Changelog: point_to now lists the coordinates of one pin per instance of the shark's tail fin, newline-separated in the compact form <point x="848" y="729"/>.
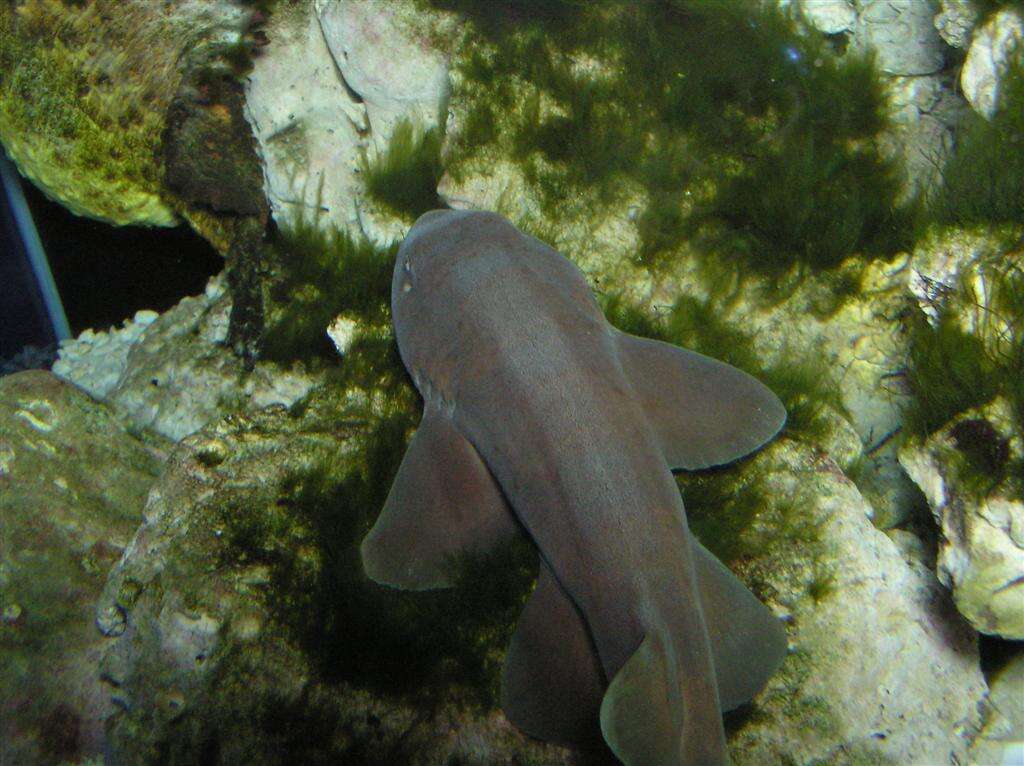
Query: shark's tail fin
<point x="663" y="707"/>
<point x="645" y="718"/>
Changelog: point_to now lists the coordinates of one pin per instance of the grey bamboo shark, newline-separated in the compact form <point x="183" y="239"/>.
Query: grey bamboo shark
<point x="540" y="416"/>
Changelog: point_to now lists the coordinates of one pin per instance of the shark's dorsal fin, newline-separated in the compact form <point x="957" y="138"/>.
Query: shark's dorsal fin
<point x="704" y="412"/>
<point x="443" y="502"/>
<point x="552" y="682"/>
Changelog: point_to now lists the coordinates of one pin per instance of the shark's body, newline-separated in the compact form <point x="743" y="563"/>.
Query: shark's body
<point x="535" y="407"/>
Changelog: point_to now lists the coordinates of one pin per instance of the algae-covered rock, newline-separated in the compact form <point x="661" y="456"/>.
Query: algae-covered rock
<point x="981" y="545"/>
<point x="73" y="482"/>
<point x="84" y="89"/>
<point x="244" y="631"/>
<point x="963" y="431"/>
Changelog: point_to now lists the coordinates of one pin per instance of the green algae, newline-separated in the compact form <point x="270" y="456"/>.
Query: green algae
<point x="405" y="175"/>
<point x="69" y="131"/>
<point x="983" y="180"/>
<point x="424" y="646"/>
<point x="321" y="274"/>
<point x="723" y="98"/>
<point x="952" y="370"/>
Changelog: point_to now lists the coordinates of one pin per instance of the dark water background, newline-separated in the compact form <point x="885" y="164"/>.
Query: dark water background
<point x="104" y="273"/>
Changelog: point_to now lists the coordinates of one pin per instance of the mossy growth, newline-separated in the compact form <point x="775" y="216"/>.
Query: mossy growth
<point x="80" y="136"/>
<point x="983" y="180"/>
<point x="319" y="275"/>
<point x="430" y="647"/>
<point x="404" y="176"/>
<point x="749" y="140"/>
<point x="951" y="370"/>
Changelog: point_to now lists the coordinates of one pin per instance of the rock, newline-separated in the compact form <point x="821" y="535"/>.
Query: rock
<point x="333" y="83"/>
<point x="954" y="22"/>
<point x="385" y="55"/>
<point x="73" y="482"/>
<point x="95" y="361"/>
<point x="211" y="644"/>
<point x="82" y="111"/>
<point x="881" y="667"/>
<point x="981" y="547"/>
<point x="830" y="17"/>
<point x="991" y="47"/>
<point x="173" y="373"/>
<point x="902" y="34"/>
<point x="926" y="113"/>
<point x="1001" y="742"/>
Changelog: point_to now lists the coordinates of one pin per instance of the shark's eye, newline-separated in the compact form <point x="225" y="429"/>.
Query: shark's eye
<point x="407" y="282"/>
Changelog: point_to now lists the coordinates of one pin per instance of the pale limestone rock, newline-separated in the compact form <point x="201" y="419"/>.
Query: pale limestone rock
<point x="881" y="668"/>
<point x="308" y="124"/>
<point x="342" y="332"/>
<point x="95" y="361"/>
<point x="925" y="113"/>
<point x="384" y="54"/>
<point x="902" y="34"/>
<point x="829" y="16"/>
<point x="329" y="90"/>
<point x="981" y="547"/>
<point x="986" y="60"/>
<point x="955" y="21"/>
<point x="173" y="373"/>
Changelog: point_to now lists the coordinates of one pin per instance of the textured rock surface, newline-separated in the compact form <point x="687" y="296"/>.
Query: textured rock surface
<point x="981" y="520"/>
<point x="199" y="656"/>
<point x="986" y="59"/>
<point x="1001" y="742"/>
<point x="332" y="85"/>
<point x="829" y="16"/>
<point x="173" y="373"/>
<point x="95" y="361"/>
<point x="981" y="547"/>
<point x="882" y="669"/>
<point x="73" y="483"/>
<point x="903" y="35"/>
<point x="954" y="22"/>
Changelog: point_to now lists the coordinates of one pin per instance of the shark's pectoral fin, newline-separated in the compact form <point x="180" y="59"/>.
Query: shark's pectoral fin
<point x="443" y="501"/>
<point x="748" y="642"/>
<point x="552" y="681"/>
<point x="704" y="412"/>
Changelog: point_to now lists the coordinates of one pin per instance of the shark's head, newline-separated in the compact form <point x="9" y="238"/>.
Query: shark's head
<point x="433" y="273"/>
